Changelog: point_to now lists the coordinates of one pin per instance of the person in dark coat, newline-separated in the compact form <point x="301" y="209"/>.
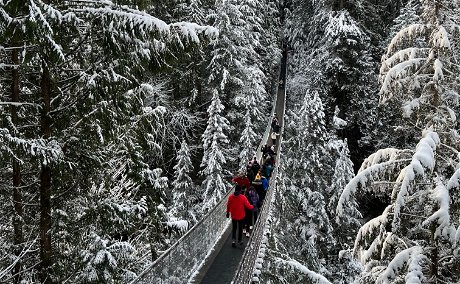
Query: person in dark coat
<point x="265" y="151"/>
<point x="236" y="205"/>
<point x="257" y="183"/>
<point x="276" y="128"/>
<point x="274" y="120"/>
<point x="255" y="166"/>
<point x="267" y="168"/>
<point x="271" y="151"/>
<point x="251" y="215"/>
<point x="265" y="185"/>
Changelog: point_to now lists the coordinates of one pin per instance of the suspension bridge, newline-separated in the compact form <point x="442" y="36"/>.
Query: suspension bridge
<point x="204" y="254"/>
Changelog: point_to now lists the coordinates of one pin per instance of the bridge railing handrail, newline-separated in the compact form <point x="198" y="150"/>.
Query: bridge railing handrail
<point x="180" y="240"/>
<point x="267" y="131"/>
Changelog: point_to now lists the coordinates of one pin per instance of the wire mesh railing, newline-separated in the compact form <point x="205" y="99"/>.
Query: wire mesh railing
<point x="248" y="270"/>
<point x="179" y="262"/>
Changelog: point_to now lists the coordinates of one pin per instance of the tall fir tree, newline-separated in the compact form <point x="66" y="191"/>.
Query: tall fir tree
<point x="214" y="138"/>
<point x="415" y="237"/>
<point x="184" y="191"/>
<point x="90" y="136"/>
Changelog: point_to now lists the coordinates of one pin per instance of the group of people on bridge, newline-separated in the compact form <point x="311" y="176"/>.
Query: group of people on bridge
<point x="250" y="190"/>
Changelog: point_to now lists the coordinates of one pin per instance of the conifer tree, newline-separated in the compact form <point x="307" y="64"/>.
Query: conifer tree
<point x="247" y="140"/>
<point x="83" y="68"/>
<point x="303" y="202"/>
<point x="415" y="237"/>
<point x="184" y="196"/>
<point x="343" y="173"/>
<point x="214" y="141"/>
<point x="310" y="140"/>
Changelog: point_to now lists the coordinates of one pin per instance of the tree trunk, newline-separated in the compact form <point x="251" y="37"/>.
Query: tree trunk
<point x="46" y="252"/>
<point x="17" y="194"/>
<point x="434" y="258"/>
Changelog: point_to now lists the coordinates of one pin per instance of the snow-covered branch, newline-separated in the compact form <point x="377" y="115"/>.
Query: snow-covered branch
<point x="422" y="159"/>
<point x="441" y="217"/>
<point x="313" y="276"/>
<point x="399" y="71"/>
<point x="373" y="227"/>
<point x="412" y="258"/>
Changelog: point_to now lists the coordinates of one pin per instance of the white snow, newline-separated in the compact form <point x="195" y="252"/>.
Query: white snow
<point x="441" y="38"/>
<point x="454" y="181"/>
<point x="438" y="74"/>
<point x="441" y="217"/>
<point x="405" y="34"/>
<point x="373" y="227"/>
<point x="412" y="258"/>
<point x="421" y="160"/>
<point x="398" y="71"/>
<point x="314" y="277"/>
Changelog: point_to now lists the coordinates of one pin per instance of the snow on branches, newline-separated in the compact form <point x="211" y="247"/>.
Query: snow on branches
<point x="419" y="67"/>
<point x="48" y="151"/>
<point x="412" y="258"/>
<point x="372" y="169"/>
<point x="441" y="217"/>
<point x="312" y="276"/>
<point x="137" y="28"/>
<point x="422" y="159"/>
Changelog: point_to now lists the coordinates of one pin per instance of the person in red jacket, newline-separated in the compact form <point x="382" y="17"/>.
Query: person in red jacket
<point x="242" y="180"/>
<point x="236" y="204"/>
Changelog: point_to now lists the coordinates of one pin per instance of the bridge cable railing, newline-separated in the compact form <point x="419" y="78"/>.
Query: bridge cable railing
<point x="178" y="262"/>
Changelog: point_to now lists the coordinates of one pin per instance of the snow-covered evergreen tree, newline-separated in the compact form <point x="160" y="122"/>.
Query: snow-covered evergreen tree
<point x="184" y="190"/>
<point x="303" y="206"/>
<point x="309" y="140"/>
<point x="343" y="173"/>
<point x="214" y="141"/>
<point x="415" y="237"/>
<point x="248" y="140"/>
<point x="85" y="96"/>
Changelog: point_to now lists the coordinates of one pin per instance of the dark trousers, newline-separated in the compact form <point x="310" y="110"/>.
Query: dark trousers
<point x="250" y="219"/>
<point x="237" y="225"/>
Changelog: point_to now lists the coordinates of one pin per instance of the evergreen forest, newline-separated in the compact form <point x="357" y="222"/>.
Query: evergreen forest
<point x="122" y="123"/>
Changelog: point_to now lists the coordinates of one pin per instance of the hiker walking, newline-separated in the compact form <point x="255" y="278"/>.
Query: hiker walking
<point x="242" y="180"/>
<point x="263" y="192"/>
<point x="255" y="166"/>
<point x="274" y="120"/>
<point x="251" y="214"/>
<point x="274" y="136"/>
<point x="236" y="205"/>
<point x="267" y="168"/>
<point x="265" y="151"/>
<point x="276" y="128"/>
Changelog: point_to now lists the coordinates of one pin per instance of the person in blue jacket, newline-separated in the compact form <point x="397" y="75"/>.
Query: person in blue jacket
<point x="264" y="181"/>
